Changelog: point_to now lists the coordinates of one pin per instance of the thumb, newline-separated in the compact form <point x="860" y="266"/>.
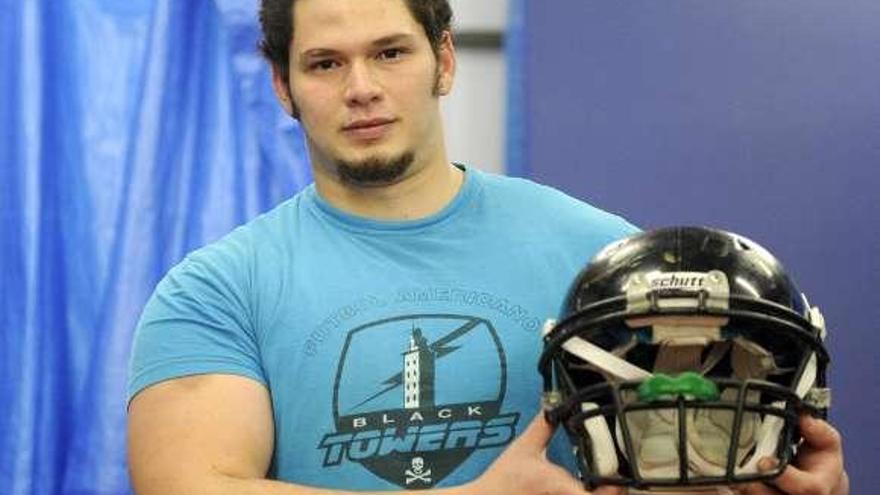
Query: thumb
<point x="536" y="435"/>
<point x="609" y="490"/>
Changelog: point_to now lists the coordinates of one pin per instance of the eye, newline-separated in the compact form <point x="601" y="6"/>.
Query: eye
<point x="391" y="53"/>
<point x="323" y="65"/>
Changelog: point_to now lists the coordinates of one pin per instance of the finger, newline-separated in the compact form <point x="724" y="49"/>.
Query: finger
<point x="536" y="435"/>
<point x="566" y="484"/>
<point x="609" y="490"/>
<point x="794" y="480"/>
<point x="757" y="489"/>
<point x="819" y="434"/>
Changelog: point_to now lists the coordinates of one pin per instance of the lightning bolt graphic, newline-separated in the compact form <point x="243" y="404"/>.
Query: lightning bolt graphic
<point x="439" y="347"/>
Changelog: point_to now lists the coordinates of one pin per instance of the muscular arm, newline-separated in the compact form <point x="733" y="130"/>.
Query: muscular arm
<point x="205" y="434"/>
<point x="213" y="434"/>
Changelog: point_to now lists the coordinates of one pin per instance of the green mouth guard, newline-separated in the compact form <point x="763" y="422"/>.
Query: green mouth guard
<point x="693" y="386"/>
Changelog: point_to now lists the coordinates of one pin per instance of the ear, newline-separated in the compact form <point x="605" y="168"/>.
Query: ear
<point x="281" y="85"/>
<point x="446" y="64"/>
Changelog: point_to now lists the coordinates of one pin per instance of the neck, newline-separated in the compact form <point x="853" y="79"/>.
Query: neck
<point x="422" y="192"/>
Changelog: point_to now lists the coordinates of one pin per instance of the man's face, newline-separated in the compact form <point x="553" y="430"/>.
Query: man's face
<point x="365" y="83"/>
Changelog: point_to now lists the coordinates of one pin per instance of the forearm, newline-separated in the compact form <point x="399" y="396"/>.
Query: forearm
<point x="233" y="486"/>
<point x="220" y="484"/>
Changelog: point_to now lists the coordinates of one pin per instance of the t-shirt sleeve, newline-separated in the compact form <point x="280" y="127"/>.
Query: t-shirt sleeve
<point x="197" y="321"/>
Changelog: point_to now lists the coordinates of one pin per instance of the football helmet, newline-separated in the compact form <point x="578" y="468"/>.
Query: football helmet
<point x="681" y="358"/>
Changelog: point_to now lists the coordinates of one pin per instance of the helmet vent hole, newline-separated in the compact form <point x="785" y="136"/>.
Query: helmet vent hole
<point x="716" y="247"/>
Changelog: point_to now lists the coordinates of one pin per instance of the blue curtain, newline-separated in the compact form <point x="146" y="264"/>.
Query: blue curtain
<point x="131" y="132"/>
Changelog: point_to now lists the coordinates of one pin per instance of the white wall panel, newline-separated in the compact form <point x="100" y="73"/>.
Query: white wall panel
<point x="480" y="15"/>
<point x="474" y="113"/>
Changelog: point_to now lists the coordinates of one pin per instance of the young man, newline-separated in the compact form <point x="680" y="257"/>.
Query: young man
<point x="380" y="330"/>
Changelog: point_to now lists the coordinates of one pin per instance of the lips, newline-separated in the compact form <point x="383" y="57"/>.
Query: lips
<point x="368" y="129"/>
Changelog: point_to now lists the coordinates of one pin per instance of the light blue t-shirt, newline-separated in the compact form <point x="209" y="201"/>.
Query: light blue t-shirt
<point x="397" y="354"/>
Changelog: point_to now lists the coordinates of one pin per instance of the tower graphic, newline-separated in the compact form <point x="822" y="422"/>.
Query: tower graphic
<point x="418" y="372"/>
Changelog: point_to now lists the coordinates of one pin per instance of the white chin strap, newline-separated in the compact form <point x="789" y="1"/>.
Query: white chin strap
<point x="655" y="433"/>
<point x="602" y="443"/>
<point x="771" y="427"/>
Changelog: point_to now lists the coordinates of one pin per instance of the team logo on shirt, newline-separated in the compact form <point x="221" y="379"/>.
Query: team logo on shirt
<point x="416" y="395"/>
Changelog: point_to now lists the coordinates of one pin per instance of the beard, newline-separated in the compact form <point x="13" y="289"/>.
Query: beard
<point x="374" y="171"/>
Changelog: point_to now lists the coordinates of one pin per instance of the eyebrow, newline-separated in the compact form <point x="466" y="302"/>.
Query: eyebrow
<point x="392" y="40"/>
<point x="382" y="42"/>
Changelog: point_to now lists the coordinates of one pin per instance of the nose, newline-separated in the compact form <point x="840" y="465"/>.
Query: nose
<point x="362" y="88"/>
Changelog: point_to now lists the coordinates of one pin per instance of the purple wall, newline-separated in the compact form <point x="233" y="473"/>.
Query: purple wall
<point x="759" y="117"/>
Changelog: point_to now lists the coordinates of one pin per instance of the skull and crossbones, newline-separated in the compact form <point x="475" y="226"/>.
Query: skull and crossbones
<point x="418" y="472"/>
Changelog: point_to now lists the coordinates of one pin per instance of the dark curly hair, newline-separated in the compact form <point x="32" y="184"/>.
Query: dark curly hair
<point x="276" y="22"/>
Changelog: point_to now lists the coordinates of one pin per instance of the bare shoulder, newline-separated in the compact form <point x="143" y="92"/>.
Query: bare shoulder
<point x="183" y="430"/>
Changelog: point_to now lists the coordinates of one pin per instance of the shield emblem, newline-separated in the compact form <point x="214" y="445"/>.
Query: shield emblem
<point x="403" y="400"/>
